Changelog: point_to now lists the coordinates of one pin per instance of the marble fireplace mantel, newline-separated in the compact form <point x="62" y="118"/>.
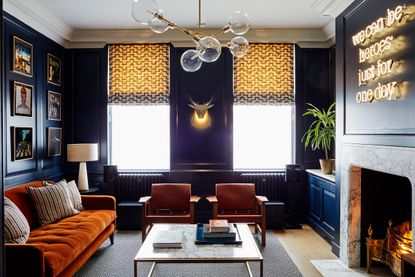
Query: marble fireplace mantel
<point x="393" y="160"/>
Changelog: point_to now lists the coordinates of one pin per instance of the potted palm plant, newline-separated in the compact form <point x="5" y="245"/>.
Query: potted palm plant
<point x="321" y="133"/>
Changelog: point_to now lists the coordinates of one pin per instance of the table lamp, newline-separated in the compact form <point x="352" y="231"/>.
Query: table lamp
<point x="82" y="153"/>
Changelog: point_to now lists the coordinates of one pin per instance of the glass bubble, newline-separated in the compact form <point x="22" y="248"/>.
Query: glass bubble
<point x="190" y="61"/>
<point x="209" y="49"/>
<point x="239" y="23"/>
<point x="238" y="46"/>
<point x="143" y="11"/>
<point x="158" y="26"/>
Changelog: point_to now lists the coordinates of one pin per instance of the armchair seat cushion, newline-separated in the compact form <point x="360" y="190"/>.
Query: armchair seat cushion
<point x="187" y="218"/>
<point x="166" y="212"/>
<point x="64" y="240"/>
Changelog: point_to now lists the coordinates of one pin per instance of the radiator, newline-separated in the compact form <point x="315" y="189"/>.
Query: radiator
<point x="272" y="185"/>
<point x="131" y="186"/>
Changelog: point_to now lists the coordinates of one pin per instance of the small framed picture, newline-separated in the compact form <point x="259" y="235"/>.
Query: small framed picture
<point x="22" y="99"/>
<point x="54" y="141"/>
<point x="54" y="106"/>
<point x="22" y="143"/>
<point x="22" y="57"/>
<point x="54" y="70"/>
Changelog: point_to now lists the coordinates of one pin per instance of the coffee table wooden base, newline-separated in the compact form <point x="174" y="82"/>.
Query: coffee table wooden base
<point x="248" y="268"/>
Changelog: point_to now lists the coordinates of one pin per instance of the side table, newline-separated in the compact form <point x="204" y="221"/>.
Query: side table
<point x="91" y="190"/>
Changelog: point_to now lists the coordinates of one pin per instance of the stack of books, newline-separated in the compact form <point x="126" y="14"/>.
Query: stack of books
<point x="219" y="228"/>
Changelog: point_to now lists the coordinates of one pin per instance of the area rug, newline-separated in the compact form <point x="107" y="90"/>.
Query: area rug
<point x="117" y="260"/>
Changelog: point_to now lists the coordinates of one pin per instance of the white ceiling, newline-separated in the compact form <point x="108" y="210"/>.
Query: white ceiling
<point x="116" y="14"/>
<point x="94" y="23"/>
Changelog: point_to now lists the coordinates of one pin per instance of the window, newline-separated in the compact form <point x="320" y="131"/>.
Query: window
<point x="139" y="124"/>
<point x="140" y="137"/>
<point x="262" y="137"/>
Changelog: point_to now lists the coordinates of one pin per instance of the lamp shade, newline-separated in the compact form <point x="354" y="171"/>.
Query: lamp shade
<point x="82" y="152"/>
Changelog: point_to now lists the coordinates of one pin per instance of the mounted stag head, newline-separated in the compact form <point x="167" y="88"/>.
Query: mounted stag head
<point x="201" y="118"/>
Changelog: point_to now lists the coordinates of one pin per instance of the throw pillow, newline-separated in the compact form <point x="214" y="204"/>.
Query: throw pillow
<point x="16" y="227"/>
<point x="51" y="202"/>
<point x="74" y="194"/>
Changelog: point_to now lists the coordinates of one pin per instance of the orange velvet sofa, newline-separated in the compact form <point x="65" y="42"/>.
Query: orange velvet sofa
<point x="60" y="248"/>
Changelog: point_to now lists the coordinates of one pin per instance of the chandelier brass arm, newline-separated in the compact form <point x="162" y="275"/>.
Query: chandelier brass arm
<point x="208" y="48"/>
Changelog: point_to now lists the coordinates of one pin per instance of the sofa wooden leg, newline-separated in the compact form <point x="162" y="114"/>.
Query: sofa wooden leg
<point x="112" y="239"/>
<point x="263" y="233"/>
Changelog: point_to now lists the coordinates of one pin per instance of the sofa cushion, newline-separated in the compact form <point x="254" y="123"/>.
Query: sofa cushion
<point x="74" y="194"/>
<point x="64" y="240"/>
<point x="16" y="227"/>
<point x="51" y="202"/>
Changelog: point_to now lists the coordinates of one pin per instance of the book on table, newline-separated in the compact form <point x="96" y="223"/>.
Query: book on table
<point x="218" y="226"/>
<point x="169" y="239"/>
<point x="207" y="233"/>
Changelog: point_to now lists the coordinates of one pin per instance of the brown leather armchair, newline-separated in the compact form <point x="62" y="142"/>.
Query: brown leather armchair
<point x="168" y="203"/>
<point x="237" y="202"/>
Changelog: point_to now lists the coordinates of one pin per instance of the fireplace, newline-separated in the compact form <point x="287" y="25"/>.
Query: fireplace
<point x="399" y="161"/>
<point x="385" y="200"/>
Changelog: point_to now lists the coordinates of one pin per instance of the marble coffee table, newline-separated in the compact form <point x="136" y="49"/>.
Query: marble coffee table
<point x="192" y="253"/>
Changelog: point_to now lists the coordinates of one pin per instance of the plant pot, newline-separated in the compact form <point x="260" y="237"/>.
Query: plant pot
<point x="327" y="165"/>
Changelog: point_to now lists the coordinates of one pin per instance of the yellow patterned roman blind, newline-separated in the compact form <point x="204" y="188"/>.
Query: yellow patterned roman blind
<point x="265" y="75"/>
<point x="139" y="74"/>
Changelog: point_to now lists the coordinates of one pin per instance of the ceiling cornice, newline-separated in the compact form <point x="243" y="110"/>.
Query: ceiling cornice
<point x="330" y="29"/>
<point x="178" y="38"/>
<point x="40" y="19"/>
<point x="331" y="7"/>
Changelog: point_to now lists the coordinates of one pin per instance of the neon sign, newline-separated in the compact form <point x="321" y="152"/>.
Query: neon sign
<point x="373" y="53"/>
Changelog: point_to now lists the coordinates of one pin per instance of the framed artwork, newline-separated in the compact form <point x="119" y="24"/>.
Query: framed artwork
<point x="22" y="57"/>
<point x="22" y="143"/>
<point x="22" y="99"/>
<point x="54" y="106"/>
<point x="54" y="70"/>
<point x="54" y="141"/>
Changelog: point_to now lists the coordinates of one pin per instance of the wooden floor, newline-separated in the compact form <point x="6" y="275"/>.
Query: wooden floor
<point x="304" y="245"/>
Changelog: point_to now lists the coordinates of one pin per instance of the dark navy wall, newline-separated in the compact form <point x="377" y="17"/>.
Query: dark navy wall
<point x="41" y="166"/>
<point x="371" y="123"/>
<point x="313" y="70"/>
<point x="86" y="107"/>
<point x="209" y="148"/>
<point x="201" y="157"/>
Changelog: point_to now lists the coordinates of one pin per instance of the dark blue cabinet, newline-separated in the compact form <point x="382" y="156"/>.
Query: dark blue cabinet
<point x="322" y="216"/>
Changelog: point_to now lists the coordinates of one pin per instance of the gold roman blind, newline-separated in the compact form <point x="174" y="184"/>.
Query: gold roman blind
<point x="139" y="74"/>
<point x="265" y="75"/>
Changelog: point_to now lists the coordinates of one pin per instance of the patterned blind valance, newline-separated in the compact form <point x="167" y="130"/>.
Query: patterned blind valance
<point x="265" y="75"/>
<point x="139" y="74"/>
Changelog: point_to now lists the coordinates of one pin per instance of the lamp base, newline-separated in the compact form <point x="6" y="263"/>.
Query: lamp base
<point x="83" y="177"/>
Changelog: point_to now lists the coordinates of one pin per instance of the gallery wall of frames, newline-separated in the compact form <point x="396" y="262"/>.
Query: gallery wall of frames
<point x="32" y="104"/>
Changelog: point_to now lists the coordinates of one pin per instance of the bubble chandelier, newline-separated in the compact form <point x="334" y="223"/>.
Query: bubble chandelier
<point x="208" y="48"/>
